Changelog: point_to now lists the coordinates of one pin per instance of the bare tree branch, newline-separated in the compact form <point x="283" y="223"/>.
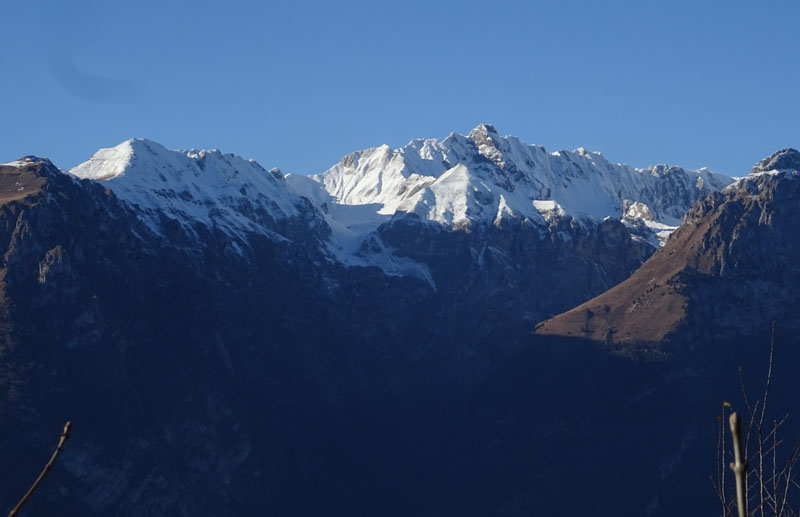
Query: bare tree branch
<point x="738" y="466"/>
<point x="47" y="468"/>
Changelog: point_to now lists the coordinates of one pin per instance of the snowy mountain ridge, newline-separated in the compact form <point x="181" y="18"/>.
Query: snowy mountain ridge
<point x="459" y="183"/>
<point x="190" y="186"/>
<point x="481" y="177"/>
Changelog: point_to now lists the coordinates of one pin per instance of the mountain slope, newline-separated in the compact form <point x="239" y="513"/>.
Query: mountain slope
<point x="727" y="271"/>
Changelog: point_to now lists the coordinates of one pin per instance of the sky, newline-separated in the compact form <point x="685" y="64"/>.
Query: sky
<point x="298" y="85"/>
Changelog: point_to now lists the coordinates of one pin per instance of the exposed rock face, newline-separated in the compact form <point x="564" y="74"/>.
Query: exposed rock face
<point x="638" y="210"/>
<point x="728" y="271"/>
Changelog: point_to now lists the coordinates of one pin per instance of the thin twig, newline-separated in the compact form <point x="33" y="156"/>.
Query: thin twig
<point x="787" y="471"/>
<point x="61" y="442"/>
<point x="751" y="410"/>
<point x="760" y="424"/>
<point x="775" y="464"/>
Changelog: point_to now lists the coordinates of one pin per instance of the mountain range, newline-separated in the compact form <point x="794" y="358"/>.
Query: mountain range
<point x="229" y="339"/>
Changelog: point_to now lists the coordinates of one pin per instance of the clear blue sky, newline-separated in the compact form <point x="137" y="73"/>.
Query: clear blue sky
<point x="299" y="84"/>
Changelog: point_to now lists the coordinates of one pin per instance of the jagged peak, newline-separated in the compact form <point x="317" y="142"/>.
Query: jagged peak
<point x="484" y="134"/>
<point x="484" y="130"/>
<point x="783" y="160"/>
<point x="583" y="182"/>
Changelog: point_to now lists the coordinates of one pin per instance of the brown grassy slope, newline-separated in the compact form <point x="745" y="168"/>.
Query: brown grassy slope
<point x="19" y="182"/>
<point x="730" y="268"/>
<point x="645" y="307"/>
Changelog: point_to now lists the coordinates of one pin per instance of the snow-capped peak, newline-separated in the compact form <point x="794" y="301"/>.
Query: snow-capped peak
<point x="501" y="176"/>
<point x="111" y="162"/>
<point x="190" y="186"/>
